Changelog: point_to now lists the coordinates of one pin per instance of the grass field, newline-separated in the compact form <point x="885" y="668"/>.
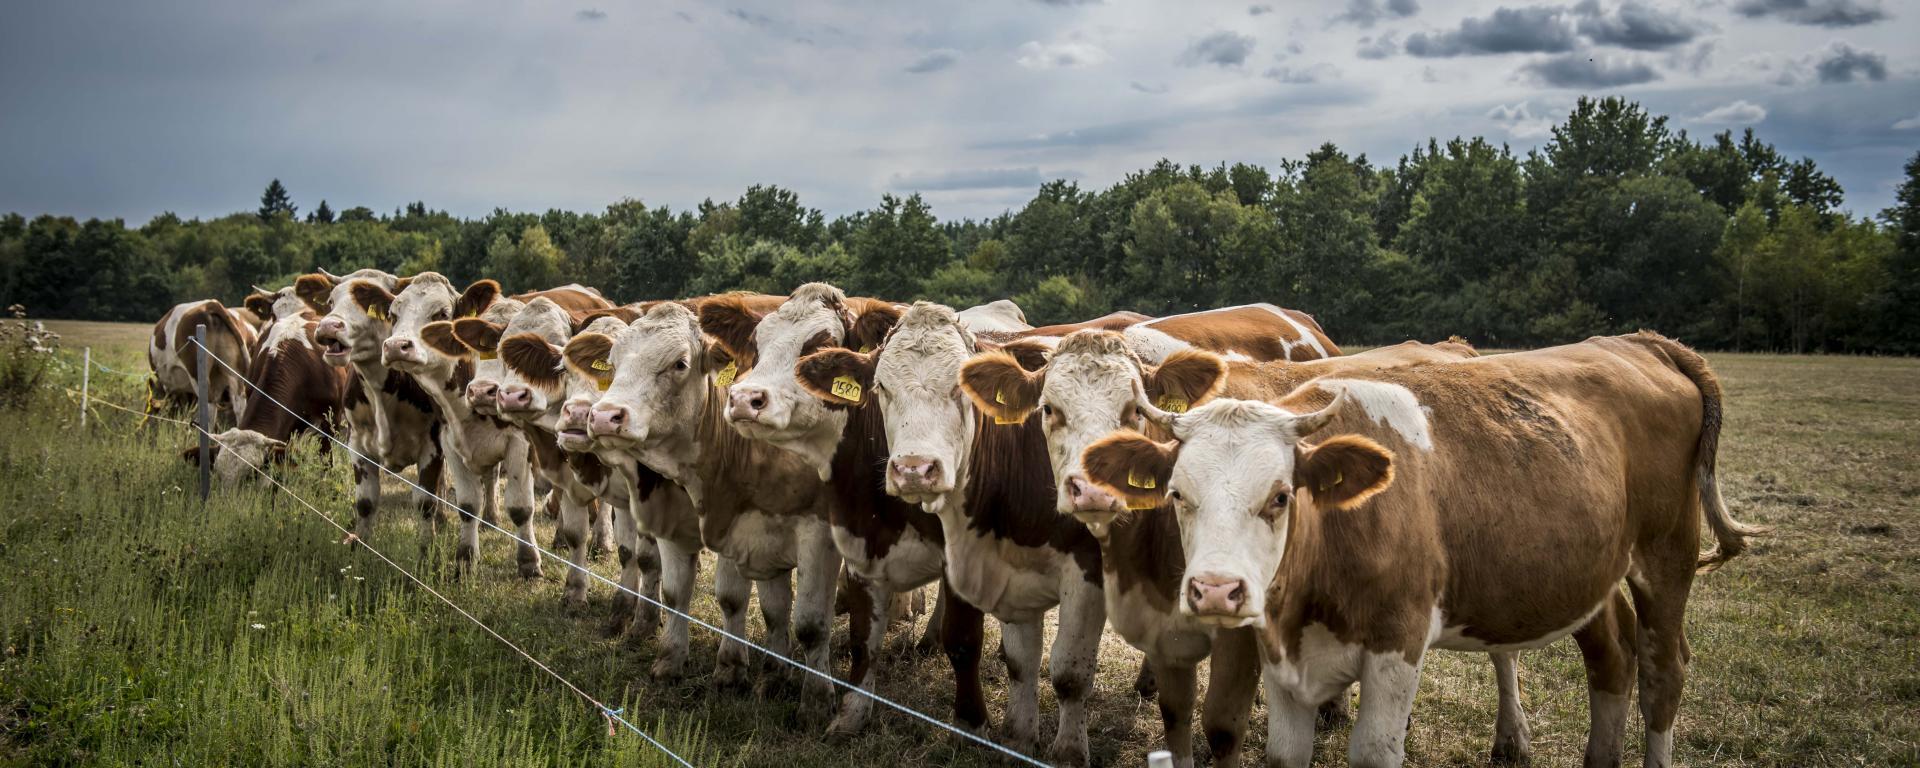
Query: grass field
<point x="142" y="628"/>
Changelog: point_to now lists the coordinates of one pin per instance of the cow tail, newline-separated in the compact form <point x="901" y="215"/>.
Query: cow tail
<point x="1730" y="535"/>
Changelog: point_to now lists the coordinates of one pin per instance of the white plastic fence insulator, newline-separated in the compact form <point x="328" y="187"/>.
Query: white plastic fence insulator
<point x="1159" y="758"/>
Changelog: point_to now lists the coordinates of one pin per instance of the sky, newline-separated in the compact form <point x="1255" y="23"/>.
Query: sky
<point x="134" y="108"/>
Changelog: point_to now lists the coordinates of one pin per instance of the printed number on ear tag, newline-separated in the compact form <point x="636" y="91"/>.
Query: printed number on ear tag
<point x="1173" y="404"/>
<point x="1000" y="397"/>
<point x="601" y="365"/>
<point x="725" y="377"/>
<point x="489" y="355"/>
<point x="375" y="313"/>
<point x="1137" y="480"/>
<point x="1136" y="503"/>
<point x="845" y="388"/>
<point x="1002" y="420"/>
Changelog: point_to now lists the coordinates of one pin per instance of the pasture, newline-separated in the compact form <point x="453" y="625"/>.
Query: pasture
<point x="140" y="627"/>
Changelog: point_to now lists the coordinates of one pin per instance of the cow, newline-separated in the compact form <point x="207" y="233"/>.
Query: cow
<point x="890" y="547"/>
<point x="544" y="318"/>
<point x="391" y="419"/>
<point x="762" y="510"/>
<point x="1001" y="316"/>
<point x="1486" y="504"/>
<point x="482" y="449"/>
<point x="1248" y="332"/>
<point x="1140" y="549"/>
<point x="295" y="388"/>
<point x="174" y="357"/>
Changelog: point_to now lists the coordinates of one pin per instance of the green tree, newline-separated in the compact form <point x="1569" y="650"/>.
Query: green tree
<point x="1897" y="302"/>
<point x="321" y="214"/>
<point x="275" y="203"/>
<point x="897" y="249"/>
<point x="533" y="263"/>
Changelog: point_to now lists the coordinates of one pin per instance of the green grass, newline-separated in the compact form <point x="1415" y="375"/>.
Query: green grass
<point x="128" y="613"/>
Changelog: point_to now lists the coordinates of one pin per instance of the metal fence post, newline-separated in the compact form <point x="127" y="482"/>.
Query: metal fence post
<point x="86" y="378"/>
<point x="205" y="418"/>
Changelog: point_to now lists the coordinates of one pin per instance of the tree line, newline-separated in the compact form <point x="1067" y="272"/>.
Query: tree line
<point x="1618" y="223"/>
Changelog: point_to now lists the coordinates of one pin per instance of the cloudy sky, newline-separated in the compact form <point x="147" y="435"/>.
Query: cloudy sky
<point x="132" y="108"/>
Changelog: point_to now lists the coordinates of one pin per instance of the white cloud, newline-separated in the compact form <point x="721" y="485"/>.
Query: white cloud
<point x="1061" y="54"/>
<point x="1519" y="121"/>
<point x="1738" y="112"/>
<point x="1907" y="124"/>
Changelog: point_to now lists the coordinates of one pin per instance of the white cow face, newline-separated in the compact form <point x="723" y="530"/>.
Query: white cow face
<point x="576" y="390"/>
<point x="1238" y="477"/>
<point x="346" y="332"/>
<point x="915" y="382"/>
<point x="1093" y="386"/>
<point x="236" y="452"/>
<point x="655" y="377"/>
<point x="429" y="298"/>
<point x="443" y="340"/>
<point x="502" y="389"/>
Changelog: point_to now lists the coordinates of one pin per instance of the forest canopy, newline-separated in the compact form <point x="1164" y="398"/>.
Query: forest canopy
<point x="1618" y="223"/>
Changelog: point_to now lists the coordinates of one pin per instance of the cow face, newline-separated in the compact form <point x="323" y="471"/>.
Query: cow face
<point x="346" y="333"/>
<point x="1091" y="387"/>
<point x="544" y="368"/>
<point x="507" y="392"/>
<point x="915" y="382"/>
<point x="654" y="379"/>
<point x="236" y="452"/>
<point x="443" y="340"/>
<point x="429" y="298"/>
<point x="1239" y="479"/>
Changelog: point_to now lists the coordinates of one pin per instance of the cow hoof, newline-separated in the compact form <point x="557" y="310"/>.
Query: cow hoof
<point x="1512" y="749"/>
<point x="731" y="677"/>
<point x="1146" y="685"/>
<point x="615" y="627"/>
<point x="846" y="725"/>
<point x="667" y="668"/>
<point x="1068" y="751"/>
<point x="530" y="569"/>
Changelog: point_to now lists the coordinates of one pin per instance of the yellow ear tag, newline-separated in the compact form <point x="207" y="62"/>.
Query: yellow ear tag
<point x="600" y="365"/>
<point x="725" y="377"/>
<point x="1000" y="397"/>
<point x="489" y="355"/>
<point x="1172" y="404"/>
<point x="374" y="312"/>
<point x="1136" y="503"/>
<point x="866" y="349"/>
<point x="1002" y="420"/>
<point x="602" y="384"/>
<point x="1137" y="480"/>
<point x="845" y="388"/>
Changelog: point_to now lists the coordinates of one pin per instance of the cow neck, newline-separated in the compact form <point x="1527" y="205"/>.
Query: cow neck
<point x="1143" y="550"/>
<point x="294" y="376"/>
<point x="1007" y="492"/>
<point x="861" y="503"/>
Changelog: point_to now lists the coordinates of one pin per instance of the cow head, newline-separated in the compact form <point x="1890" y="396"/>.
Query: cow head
<point x="429" y="298"/>
<point x="495" y="383"/>
<point x="543" y="367"/>
<point x="766" y="401"/>
<point x="236" y="452"/>
<point x="442" y="338"/>
<point x="652" y="376"/>
<point x="1240" y="479"/>
<point x="1092" y="386"/>
<point x="346" y="332"/>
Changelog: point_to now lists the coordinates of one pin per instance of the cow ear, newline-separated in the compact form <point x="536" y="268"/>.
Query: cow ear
<point x="870" y="329"/>
<point x="191" y="454"/>
<point x="1031" y="355"/>
<point x="260" y="304"/>
<point x="532" y="358"/>
<point x="478" y="335"/>
<point x="580" y="320"/>
<point x="1000" y="386"/>
<point x="837" y="376"/>
<point x="316" y="290"/>
<point x="373" y="299"/>
<point x="476" y="298"/>
<point x="1133" y="467"/>
<point x="439" y="337"/>
<point x="1186" y="379"/>
<point x="590" y="353"/>
<point x="728" y="320"/>
<point x="1344" y="471"/>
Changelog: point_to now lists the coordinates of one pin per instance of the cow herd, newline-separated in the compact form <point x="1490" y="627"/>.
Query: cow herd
<point x="1221" y="485"/>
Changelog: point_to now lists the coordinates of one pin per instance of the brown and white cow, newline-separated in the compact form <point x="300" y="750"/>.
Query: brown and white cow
<point x="1249" y="332"/>
<point x="481" y="449"/>
<point x="391" y="419"/>
<point x="1488" y="504"/>
<point x="1140" y="548"/>
<point x="889" y="545"/>
<point x="296" y="388"/>
<point x="175" y="358"/>
<point x="1001" y="316"/>
<point x="761" y="510"/>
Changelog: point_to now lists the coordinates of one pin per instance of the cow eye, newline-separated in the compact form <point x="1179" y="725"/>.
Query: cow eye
<point x="680" y="365"/>
<point x="1047" y="411"/>
<point x="442" y="314"/>
<point x="1280" y="499"/>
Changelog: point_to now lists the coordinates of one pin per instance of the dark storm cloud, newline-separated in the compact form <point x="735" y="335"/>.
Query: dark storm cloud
<point x="1640" y="26"/>
<point x="1366" y="12"/>
<point x="590" y="15"/>
<point x="932" y="62"/>
<point x="973" y="178"/>
<point x="1221" y="49"/>
<point x="1534" y="29"/>
<point x="1819" y="13"/>
<point x="1576" y="70"/>
<point x="1842" y="63"/>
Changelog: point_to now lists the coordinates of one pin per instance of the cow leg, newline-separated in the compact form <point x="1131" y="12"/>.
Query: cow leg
<point x="732" y="590"/>
<point x="1289" y="725"/>
<point x="600" y="518"/>
<point x="366" y="497"/>
<point x="1511" y="736"/>
<point x="963" y="635"/>
<point x="929" y="641"/>
<point x="1144" y="684"/>
<point x="813" y="610"/>
<point x="1660" y="582"/>
<point x="679" y="569"/>
<point x="1606" y="644"/>
<point x="1234" y="677"/>
<point x="1076" y="656"/>
<point x="473" y="492"/>
<point x="571" y="537"/>
<point x="1176" y="708"/>
<point x="1020" y="649"/>
<point x="431" y="473"/>
<point x="1388" y="683"/>
<point x="627" y="532"/>
<point x="867" y="603"/>
<point x="519" y="503"/>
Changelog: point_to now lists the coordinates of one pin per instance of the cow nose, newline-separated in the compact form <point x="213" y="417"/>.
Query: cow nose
<point x="746" y="402"/>
<point x="1212" y="593"/>
<point x="914" y="471"/>
<point x="577" y="413"/>
<point x="482" y="391"/>
<point x="1087" y="497"/>
<point x="516" y="397"/>
<point x="399" y="347"/>
<point x="330" y="326"/>
<point x="608" y="421"/>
